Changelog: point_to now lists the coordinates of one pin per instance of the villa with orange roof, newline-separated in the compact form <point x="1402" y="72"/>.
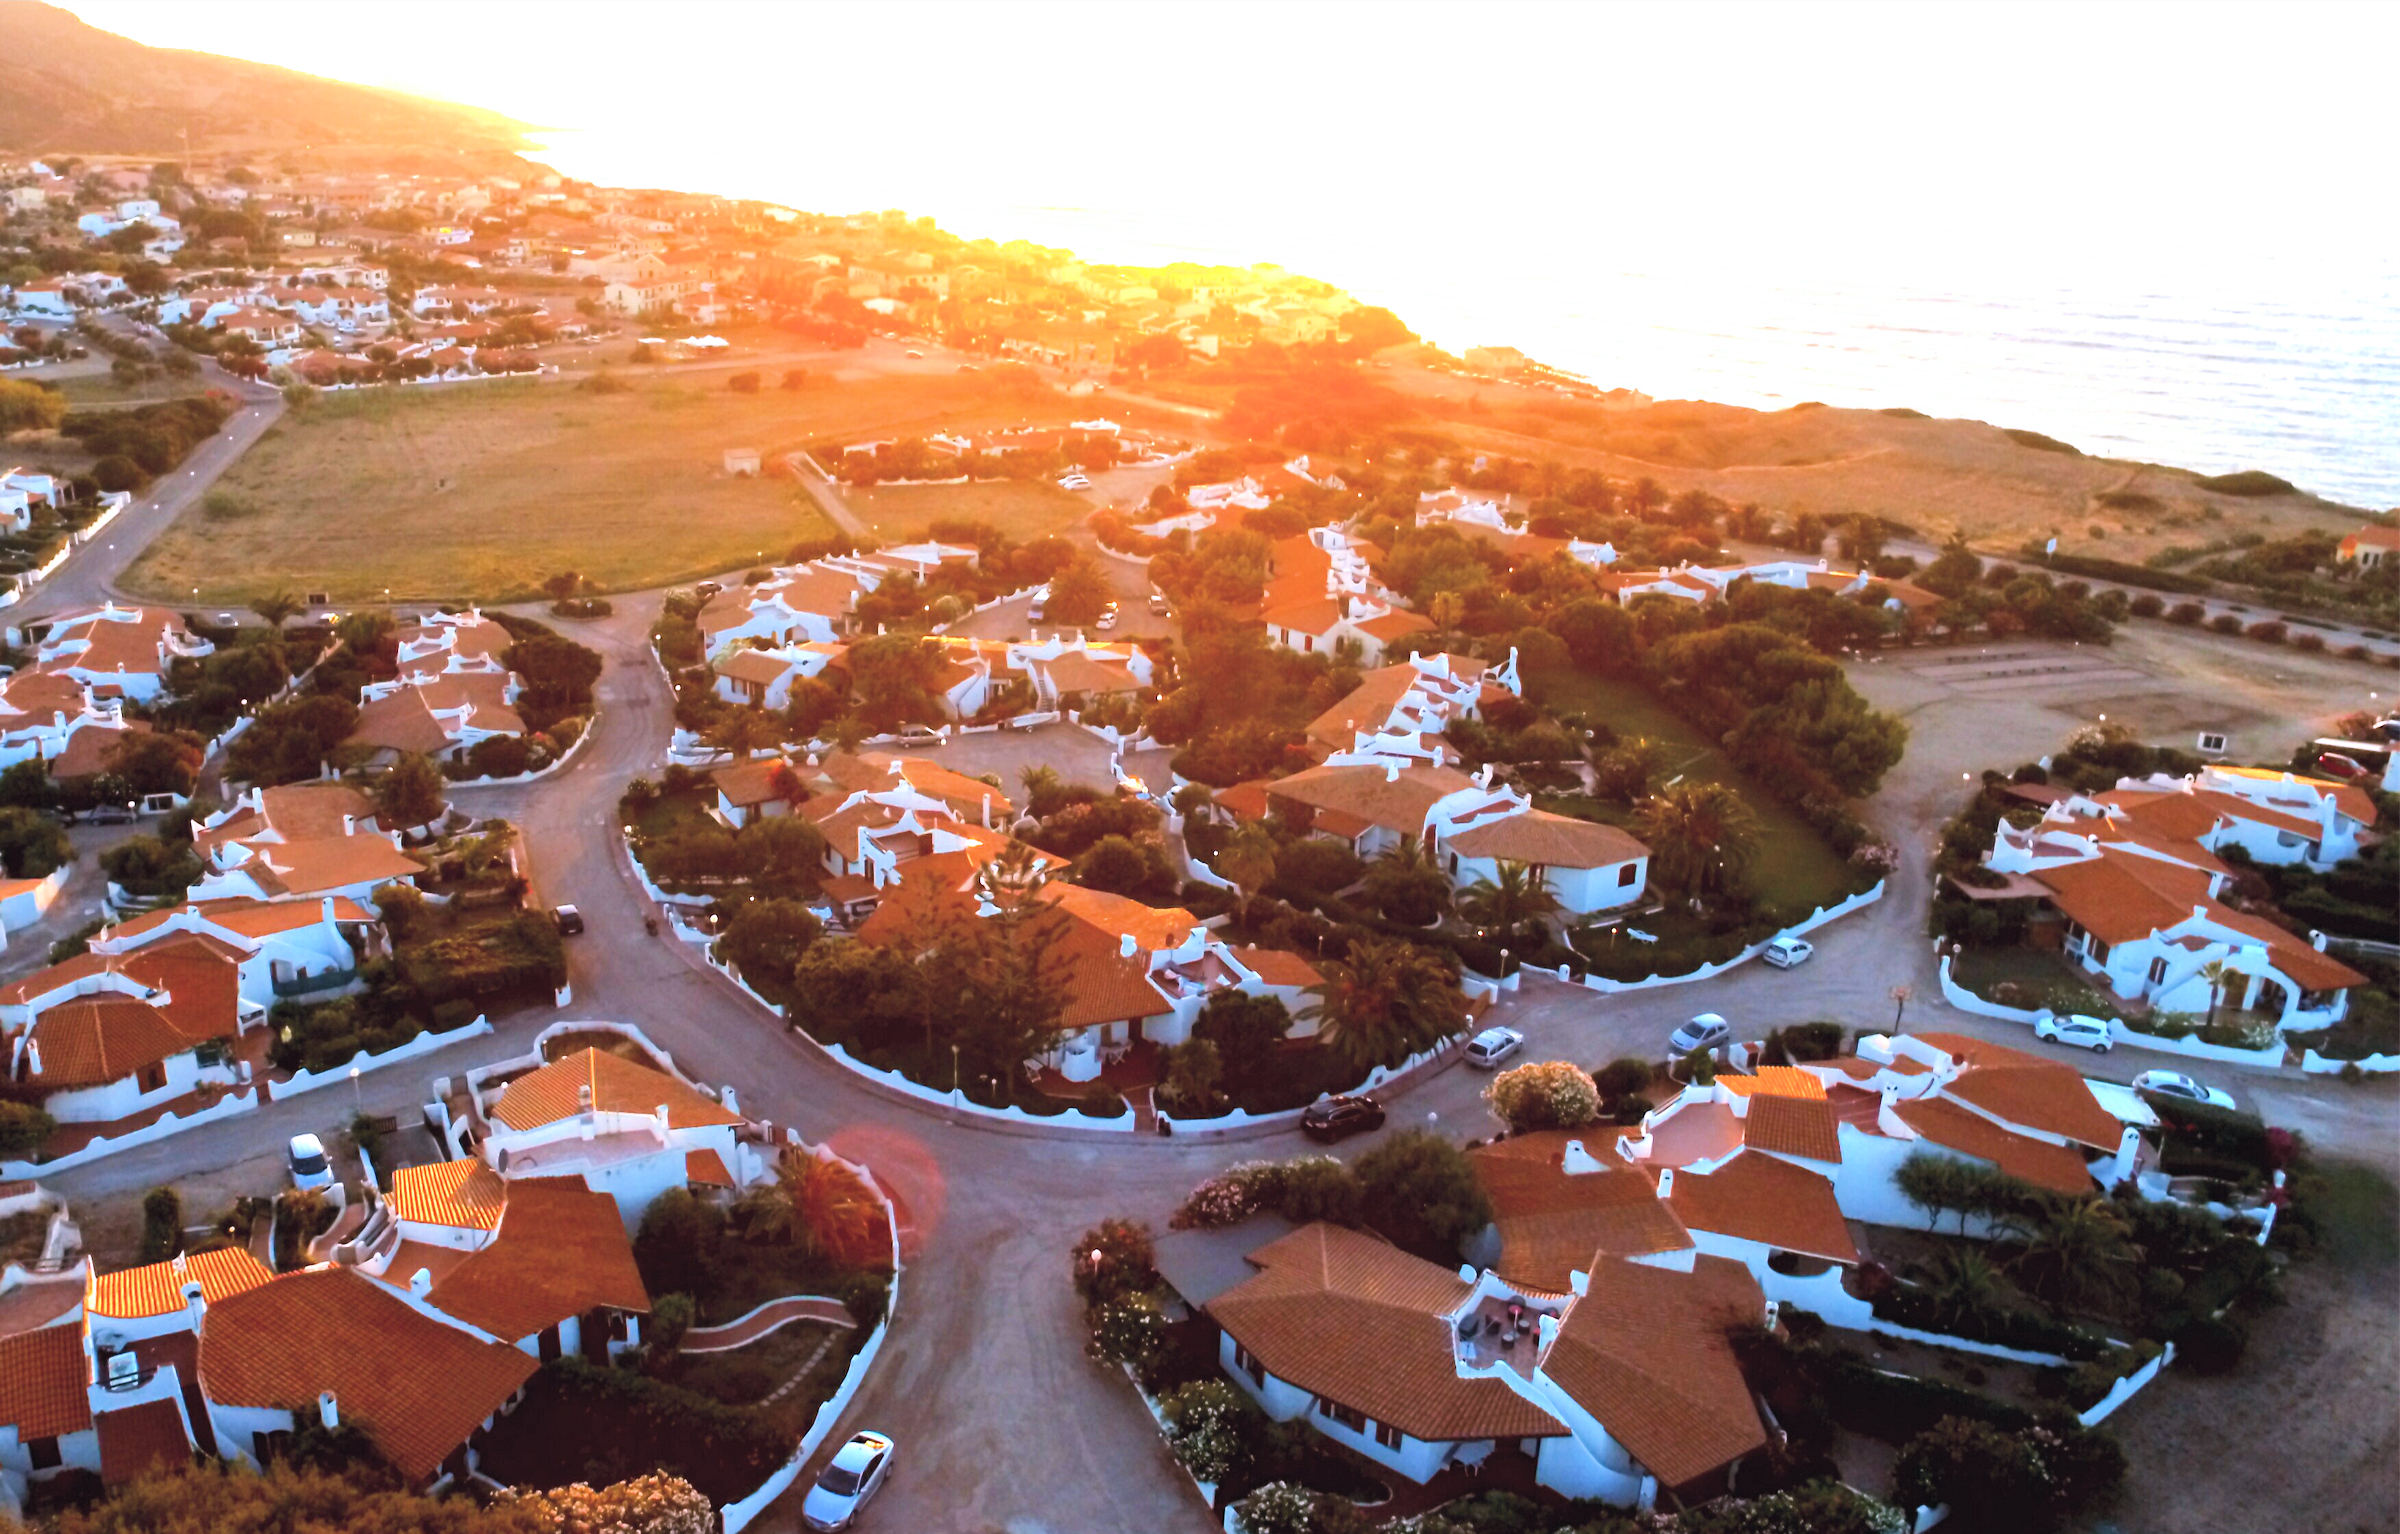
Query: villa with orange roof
<point x="104" y="1036"/>
<point x="118" y="651"/>
<point x="298" y="841"/>
<point x="281" y="949"/>
<point x="452" y="691"/>
<point x="2135" y="875"/>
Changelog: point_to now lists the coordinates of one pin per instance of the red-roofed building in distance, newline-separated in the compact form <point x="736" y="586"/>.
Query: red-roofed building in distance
<point x="105" y="1036"/>
<point x="452" y="691"/>
<point x="298" y="841"/>
<point x="117" y="651"/>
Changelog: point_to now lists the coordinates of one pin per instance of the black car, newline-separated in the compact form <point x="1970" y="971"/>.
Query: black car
<point x="570" y="921"/>
<point x="1331" y="1118"/>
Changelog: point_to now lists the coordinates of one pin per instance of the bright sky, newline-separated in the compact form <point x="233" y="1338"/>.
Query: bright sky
<point x="2203" y="147"/>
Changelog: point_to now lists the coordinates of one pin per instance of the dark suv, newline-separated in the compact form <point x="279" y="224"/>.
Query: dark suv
<point x="1332" y="1118"/>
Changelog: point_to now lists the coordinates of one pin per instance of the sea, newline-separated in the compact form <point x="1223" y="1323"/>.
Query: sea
<point x="2293" y="371"/>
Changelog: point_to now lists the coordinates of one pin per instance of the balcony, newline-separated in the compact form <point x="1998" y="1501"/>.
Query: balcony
<point x="288" y="986"/>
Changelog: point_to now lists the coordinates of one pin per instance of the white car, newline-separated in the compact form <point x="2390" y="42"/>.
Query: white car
<point x="1707" y="1031"/>
<point x="843" y="1487"/>
<point x="1033" y="610"/>
<point x="310" y="1169"/>
<point x="2177" y="1084"/>
<point x="1785" y="952"/>
<point x="1488" y="1048"/>
<point x="1108" y="618"/>
<point x="1074" y="482"/>
<point x="2077" y="1029"/>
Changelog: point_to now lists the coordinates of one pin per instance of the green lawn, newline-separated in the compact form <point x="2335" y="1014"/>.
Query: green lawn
<point x="1023" y="509"/>
<point x="1795" y="869"/>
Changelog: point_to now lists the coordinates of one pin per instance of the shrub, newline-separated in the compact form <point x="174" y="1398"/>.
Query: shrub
<point x="670" y="1317"/>
<point x="23" y="1128"/>
<point x="1128" y="1329"/>
<point x="2032" y="1479"/>
<point x="1549" y="1094"/>
<point x="162" y="1225"/>
<point x="2225" y="623"/>
<point x="2146" y="605"/>
<point x="2267" y="631"/>
<point x="2186" y="613"/>
<point x="2310" y="643"/>
<point x="1113" y="1259"/>
<point x="1211" y="1428"/>
<point x="2212" y="1344"/>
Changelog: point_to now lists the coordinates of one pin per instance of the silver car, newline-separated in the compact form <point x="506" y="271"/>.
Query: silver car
<point x="1707" y="1031"/>
<point x="844" y="1486"/>
<point x="1488" y="1048"/>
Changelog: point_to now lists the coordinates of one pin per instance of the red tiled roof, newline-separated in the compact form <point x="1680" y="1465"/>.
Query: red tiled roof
<point x="1770" y="1201"/>
<point x="552" y="1093"/>
<point x="2026" y="1089"/>
<point x="2060" y="1168"/>
<point x="156" y="1289"/>
<point x="43" y="1379"/>
<point x="1645" y="1351"/>
<point x="1553" y="1223"/>
<point x="416" y="1385"/>
<point x="707" y="1168"/>
<point x="560" y="1250"/>
<point x="136" y="1440"/>
<point x="463" y="1195"/>
<point x="1793" y="1126"/>
<point x="1275" y="966"/>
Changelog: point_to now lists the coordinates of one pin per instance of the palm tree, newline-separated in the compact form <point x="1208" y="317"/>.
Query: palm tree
<point x="2215" y="972"/>
<point x="2081" y="1253"/>
<point x="832" y="1213"/>
<point x="1386" y="1000"/>
<point x="1965" y="1287"/>
<point x="1041" y="784"/>
<point x="277" y="607"/>
<point x="1513" y="896"/>
<point x="1701" y="835"/>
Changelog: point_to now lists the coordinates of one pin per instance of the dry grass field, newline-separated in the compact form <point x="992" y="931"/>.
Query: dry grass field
<point x="1023" y="509"/>
<point x="481" y="490"/>
<point x="1937" y="476"/>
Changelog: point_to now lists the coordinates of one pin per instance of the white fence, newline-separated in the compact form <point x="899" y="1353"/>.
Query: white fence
<point x="2373" y="1065"/>
<point x="2125" y="1389"/>
<point x="105" y="1145"/>
<point x="564" y="757"/>
<point x="737" y="1516"/>
<point x="1381" y="1075"/>
<point x="423" y="1044"/>
<point x="958" y="1101"/>
<point x="1809" y="923"/>
<point x="2267" y="1057"/>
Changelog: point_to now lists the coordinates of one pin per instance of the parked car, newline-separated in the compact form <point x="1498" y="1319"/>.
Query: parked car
<point x="1331" y="1118"/>
<point x="1033" y="610"/>
<point x="2341" y="766"/>
<point x="1108" y="618"/>
<point x="1785" y="952"/>
<point x="2177" y="1084"/>
<point x="306" y="1157"/>
<point x="2076" y="1029"/>
<point x="1488" y="1048"/>
<point x="110" y="814"/>
<point x="1074" y="482"/>
<point x="1158" y="603"/>
<point x="1707" y="1031"/>
<point x="913" y="352"/>
<point x="570" y="921"/>
<point x="919" y="735"/>
<point x="706" y="589"/>
<point x="856" y="1473"/>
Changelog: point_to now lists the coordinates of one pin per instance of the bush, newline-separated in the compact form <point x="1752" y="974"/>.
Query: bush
<point x="162" y="1225"/>
<point x="2212" y="1344"/>
<point x="2032" y="1479"/>
<point x="2225" y="623"/>
<point x="23" y="1129"/>
<point x="2267" y="631"/>
<point x="671" y="1315"/>
<point x="2186" y="613"/>
<point x="2146" y="605"/>
<point x="1212" y="1428"/>
<point x="1549" y="1094"/>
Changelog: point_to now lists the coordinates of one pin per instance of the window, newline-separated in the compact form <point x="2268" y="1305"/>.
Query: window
<point x="151" y="1077"/>
<point x="1387" y="1435"/>
<point x="1356" y="1421"/>
<point x="1249" y="1365"/>
<point x="2098" y="950"/>
<point x="44" y="1453"/>
<point x="1626" y="871"/>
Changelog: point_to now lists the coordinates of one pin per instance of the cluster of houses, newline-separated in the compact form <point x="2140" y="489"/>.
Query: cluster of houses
<point x="66" y="708"/>
<point x="418" y="1318"/>
<point x="452" y="691"/>
<point x="2133" y="887"/>
<point x="1591" y="1331"/>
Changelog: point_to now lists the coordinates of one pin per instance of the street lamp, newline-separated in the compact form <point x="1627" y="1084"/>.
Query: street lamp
<point x="357" y="1097"/>
<point x="1900" y="995"/>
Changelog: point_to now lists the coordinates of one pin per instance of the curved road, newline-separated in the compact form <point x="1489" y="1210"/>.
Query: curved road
<point x="1003" y="1424"/>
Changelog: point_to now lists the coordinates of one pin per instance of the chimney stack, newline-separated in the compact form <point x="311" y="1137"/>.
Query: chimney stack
<point x="1666" y="1183"/>
<point x="1125" y="945"/>
<point x="329" y="1411"/>
<point x="195" y="1303"/>
<point x="420" y="1283"/>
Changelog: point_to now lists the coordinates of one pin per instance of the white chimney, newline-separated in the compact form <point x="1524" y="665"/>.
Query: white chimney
<point x="1774" y="1313"/>
<point x="1125" y="945"/>
<point x="195" y="1303"/>
<point x="420" y="1283"/>
<point x="1575" y="1161"/>
<point x="33" y="1056"/>
<point x="329" y="1411"/>
<point x="583" y="1099"/>
<point x="1666" y="1183"/>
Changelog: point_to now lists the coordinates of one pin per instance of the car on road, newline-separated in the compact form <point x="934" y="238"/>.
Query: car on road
<point x="1158" y="603"/>
<point x="2177" y="1084"/>
<point x="2077" y="1029"/>
<point x="1108" y="618"/>
<point x="1033" y="609"/>
<point x="1785" y="952"/>
<point x="2340" y="766"/>
<point x="913" y="352"/>
<point x="856" y="1473"/>
<point x="110" y="814"/>
<point x="1488" y="1048"/>
<point x="1074" y="482"/>
<point x="570" y="921"/>
<point x="1331" y="1118"/>
<point x="918" y="735"/>
<point x="1707" y="1031"/>
<point x="305" y="1155"/>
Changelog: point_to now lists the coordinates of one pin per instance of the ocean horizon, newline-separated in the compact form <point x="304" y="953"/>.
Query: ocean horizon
<point x="2297" y="378"/>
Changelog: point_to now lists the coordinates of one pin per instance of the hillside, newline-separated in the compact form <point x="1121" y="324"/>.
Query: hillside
<point x="1938" y="476"/>
<point x="69" y="87"/>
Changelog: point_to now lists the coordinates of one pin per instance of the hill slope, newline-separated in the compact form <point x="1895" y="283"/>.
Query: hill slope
<point x="66" y="86"/>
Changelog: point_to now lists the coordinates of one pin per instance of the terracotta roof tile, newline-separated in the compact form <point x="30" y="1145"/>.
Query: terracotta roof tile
<point x="464" y="1195"/>
<point x="1794" y="1126"/>
<point x="1275" y="966"/>
<point x="1549" y="840"/>
<point x="707" y="1168"/>
<point x="136" y="1440"/>
<point x="1371" y="794"/>
<point x="1552" y="1224"/>
<point x="1345" y="1316"/>
<point x="43" y="1379"/>
<point x="156" y="1289"/>
<point x="417" y="1385"/>
<point x="1762" y="1199"/>
<point x="560" y="1250"/>
<point x="1645" y="1352"/>
<point x="2060" y="1168"/>
<point x="1773" y="1081"/>
<point x="550" y="1094"/>
<point x="2026" y="1089"/>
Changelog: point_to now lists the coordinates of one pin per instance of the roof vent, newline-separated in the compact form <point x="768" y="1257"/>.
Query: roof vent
<point x="329" y="1411"/>
<point x="1575" y="1161"/>
<point x="583" y="1097"/>
<point x="420" y="1283"/>
<point x="1666" y="1183"/>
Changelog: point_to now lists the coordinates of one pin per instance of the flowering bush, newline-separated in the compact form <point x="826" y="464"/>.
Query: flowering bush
<point x="1127" y="1330"/>
<point x="1210" y="1426"/>
<point x="1549" y="1094"/>
<point x="1222" y="1200"/>
<point x="1278" y="1507"/>
<point x="657" y="1503"/>
<point x="1876" y="857"/>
